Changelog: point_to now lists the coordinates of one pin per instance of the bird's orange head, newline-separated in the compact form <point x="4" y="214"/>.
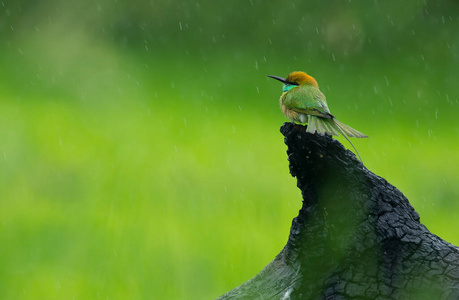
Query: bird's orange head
<point x="295" y="79"/>
<point x="299" y="78"/>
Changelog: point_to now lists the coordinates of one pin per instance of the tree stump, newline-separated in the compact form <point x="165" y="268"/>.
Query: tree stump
<point x="356" y="235"/>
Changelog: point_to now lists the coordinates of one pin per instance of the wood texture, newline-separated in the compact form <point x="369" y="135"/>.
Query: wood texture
<point x="356" y="235"/>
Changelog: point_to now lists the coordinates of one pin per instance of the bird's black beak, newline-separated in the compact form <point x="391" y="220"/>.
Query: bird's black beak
<point x="278" y="78"/>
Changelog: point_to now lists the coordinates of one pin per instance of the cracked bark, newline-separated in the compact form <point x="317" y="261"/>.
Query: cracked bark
<point x="356" y="235"/>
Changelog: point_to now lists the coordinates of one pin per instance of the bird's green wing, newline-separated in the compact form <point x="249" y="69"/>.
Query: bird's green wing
<point x="307" y="100"/>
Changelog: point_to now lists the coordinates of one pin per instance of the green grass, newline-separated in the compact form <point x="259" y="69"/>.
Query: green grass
<point x="150" y="175"/>
<point x="127" y="203"/>
<point x="137" y="200"/>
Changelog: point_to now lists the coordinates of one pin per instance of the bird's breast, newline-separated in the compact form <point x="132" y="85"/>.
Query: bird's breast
<point x="291" y="114"/>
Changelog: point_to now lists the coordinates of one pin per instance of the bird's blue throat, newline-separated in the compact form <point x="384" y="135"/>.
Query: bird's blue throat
<point x="287" y="87"/>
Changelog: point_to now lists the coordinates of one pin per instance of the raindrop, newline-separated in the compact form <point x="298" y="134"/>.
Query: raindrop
<point x="184" y="121"/>
<point x="387" y="80"/>
<point x="180" y="24"/>
<point x="258" y="90"/>
<point x="256" y="65"/>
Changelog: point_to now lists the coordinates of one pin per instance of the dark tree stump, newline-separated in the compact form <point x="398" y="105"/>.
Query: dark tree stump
<point x="356" y="236"/>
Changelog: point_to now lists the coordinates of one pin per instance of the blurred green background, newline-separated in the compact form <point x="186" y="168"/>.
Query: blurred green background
<point x="140" y="153"/>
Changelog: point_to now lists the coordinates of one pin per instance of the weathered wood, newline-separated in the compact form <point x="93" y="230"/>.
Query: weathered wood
<point x="356" y="236"/>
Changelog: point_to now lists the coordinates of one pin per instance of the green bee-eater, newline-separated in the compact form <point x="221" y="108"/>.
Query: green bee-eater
<point x="303" y="102"/>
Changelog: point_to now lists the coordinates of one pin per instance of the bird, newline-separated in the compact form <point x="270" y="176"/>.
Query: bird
<point x="303" y="102"/>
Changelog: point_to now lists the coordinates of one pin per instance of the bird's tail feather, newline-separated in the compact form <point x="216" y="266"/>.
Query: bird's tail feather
<point x="351" y="132"/>
<point x="321" y="126"/>
<point x="333" y="126"/>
